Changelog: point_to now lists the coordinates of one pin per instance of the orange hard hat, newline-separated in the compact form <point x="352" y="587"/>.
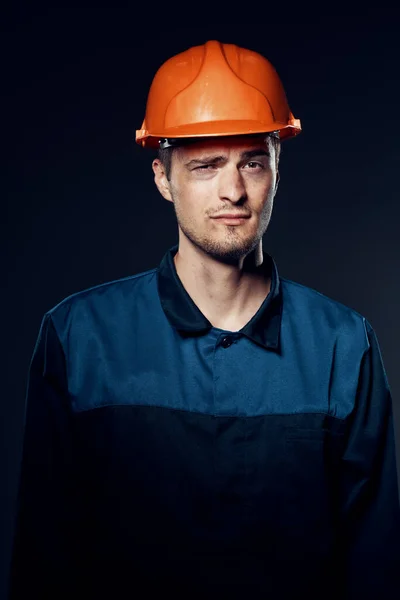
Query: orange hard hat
<point x="215" y="90"/>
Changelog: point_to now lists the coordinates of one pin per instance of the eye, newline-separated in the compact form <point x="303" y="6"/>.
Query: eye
<point x="255" y="165"/>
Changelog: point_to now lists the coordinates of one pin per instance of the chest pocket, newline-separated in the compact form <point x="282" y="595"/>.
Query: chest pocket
<point x="311" y="470"/>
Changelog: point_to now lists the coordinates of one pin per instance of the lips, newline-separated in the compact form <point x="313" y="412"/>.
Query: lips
<point x="237" y="216"/>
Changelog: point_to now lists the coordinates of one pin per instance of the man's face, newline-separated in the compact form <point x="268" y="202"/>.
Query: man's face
<point x="233" y="174"/>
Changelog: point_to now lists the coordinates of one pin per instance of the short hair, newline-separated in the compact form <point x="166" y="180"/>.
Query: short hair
<point x="165" y="154"/>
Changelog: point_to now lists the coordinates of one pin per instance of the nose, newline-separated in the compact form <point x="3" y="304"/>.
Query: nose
<point x="230" y="184"/>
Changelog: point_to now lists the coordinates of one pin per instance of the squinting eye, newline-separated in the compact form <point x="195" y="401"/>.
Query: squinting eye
<point x="254" y="165"/>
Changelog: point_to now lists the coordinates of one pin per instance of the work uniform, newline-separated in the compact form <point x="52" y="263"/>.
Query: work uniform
<point x="164" y="455"/>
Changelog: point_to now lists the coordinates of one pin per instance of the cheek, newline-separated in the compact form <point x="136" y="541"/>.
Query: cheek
<point x="188" y="204"/>
<point x="197" y="196"/>
<point x="260" y="191"/>
<point x="270" y="185"/>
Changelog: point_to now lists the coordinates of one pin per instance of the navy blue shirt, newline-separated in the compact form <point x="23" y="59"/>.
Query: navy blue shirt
<point x="164" y="455"/>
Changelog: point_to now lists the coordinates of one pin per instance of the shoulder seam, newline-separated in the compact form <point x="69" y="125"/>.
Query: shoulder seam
<point x="81" y="293"/>
<point x="322" y="295"/>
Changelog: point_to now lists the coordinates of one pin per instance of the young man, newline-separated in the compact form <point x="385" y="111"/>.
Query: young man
<point x="209" y="427"/>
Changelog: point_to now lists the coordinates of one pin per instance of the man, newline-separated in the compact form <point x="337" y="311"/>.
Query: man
<point x="207" y="427"/>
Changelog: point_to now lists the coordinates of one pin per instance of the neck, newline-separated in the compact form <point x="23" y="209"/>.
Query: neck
<point x="225" y="294"/>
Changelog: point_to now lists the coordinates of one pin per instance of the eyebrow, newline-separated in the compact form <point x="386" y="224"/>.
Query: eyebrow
<point x="212" y="159"/>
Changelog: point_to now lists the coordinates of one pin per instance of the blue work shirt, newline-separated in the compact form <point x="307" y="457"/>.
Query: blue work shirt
<point x="164" y="455"/>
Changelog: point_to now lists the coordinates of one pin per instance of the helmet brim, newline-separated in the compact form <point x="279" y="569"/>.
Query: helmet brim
<point x="217" y="129"/>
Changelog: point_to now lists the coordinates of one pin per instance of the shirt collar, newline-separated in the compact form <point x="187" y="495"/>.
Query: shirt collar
<point x="184" y="314"/>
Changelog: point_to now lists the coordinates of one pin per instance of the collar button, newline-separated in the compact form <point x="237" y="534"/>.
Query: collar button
<point x="226" y="341"/>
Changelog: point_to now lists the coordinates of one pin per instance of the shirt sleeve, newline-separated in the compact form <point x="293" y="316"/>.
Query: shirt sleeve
<point x="370" y="504"/>
<point x="43" y="553"/>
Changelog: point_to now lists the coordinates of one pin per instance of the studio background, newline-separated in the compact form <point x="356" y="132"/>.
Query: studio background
<point x="80" y="207"/>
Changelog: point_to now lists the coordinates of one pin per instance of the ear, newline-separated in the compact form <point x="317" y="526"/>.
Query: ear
<point x="277" y="181"/>
<point x="160" y="179"/>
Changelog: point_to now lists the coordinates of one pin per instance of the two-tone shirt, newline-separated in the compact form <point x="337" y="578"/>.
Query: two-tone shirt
<point x="165" y="455"/>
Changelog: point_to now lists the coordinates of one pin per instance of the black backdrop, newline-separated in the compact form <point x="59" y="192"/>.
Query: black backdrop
<point x="80" y="207"/>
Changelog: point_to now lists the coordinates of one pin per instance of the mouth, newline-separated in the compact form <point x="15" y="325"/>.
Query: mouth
<point x="232" y="216"/>
<point x="232" y="220"/>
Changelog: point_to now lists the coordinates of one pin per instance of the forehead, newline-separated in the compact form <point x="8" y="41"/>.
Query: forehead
<point x="227" y="144"/>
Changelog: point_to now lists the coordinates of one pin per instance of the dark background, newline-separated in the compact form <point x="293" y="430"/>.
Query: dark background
<point x="80" y="207"/>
